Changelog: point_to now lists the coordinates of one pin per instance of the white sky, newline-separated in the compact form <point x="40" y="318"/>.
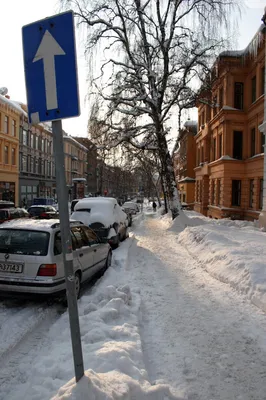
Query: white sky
<point x="16" y="13"/>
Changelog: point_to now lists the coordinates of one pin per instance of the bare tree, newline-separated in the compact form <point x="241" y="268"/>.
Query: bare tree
<point x="156" y="53"/>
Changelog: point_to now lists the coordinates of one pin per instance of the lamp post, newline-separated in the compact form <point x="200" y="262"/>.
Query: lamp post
<point x="262" y="128"/>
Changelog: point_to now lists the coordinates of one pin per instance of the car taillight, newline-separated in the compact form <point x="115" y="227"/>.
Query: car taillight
<point x="43" y="215"/>
<point x="47" y="270"/>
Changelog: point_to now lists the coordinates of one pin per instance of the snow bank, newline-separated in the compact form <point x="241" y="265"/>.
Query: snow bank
<point x="112" y="351"/>
<point x="233" y="252"/>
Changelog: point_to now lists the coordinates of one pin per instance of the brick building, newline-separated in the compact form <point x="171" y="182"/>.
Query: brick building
<point x="229" y="145"/>
<point x="185" y="161"/>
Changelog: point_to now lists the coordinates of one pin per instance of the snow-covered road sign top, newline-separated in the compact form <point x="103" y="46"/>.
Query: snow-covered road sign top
<point x="51" y="68"/>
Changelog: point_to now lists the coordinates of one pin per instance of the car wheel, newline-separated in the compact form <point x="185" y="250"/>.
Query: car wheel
<point x="77" y="284"/>
<point x="117" y="241"/>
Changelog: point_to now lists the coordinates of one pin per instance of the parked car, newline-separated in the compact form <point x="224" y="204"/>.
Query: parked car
<point x="72" y="205"/>
<point x="43" y="201"/>
<point x="129" y="215"/>
<point x="44" y="212"/>
<point x="31" y="260"/>
<point x="7" y="214"/>
<point x="6" y="204"/>
<point x="104" y="216"/>
<point x="132" y="206"/>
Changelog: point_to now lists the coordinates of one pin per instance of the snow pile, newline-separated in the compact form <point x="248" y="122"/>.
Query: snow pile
<point x="112" y="349"/>
<point x="183" y="221"/>
<point x="229" y="251"/>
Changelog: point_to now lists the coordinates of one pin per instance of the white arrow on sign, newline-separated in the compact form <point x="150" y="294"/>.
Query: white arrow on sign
<point x="48" y="49"/>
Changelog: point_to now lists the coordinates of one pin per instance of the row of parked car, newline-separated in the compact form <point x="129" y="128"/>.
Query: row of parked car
<point x="31" y="260"/>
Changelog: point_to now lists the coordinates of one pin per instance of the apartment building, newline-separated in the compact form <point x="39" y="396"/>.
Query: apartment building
<point x="184" y="159"/>
<point x="76" y="167"/>
<point x="90" y="171"/>
<point x="36" y="161"/>
<point x="229" y="145"/>
<point x="9" y="149"/>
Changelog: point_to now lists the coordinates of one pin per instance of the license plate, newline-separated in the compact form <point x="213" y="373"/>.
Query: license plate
<point x="11" y="267"/>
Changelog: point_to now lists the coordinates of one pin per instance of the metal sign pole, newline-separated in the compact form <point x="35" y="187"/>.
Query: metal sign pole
<point x="67" y="247"/>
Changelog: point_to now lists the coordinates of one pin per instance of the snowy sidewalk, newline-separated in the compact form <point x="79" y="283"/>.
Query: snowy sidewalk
<point x="197" y="334"/>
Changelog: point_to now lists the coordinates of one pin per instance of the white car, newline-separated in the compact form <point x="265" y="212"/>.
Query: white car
<point x="132" y="206"/>
<point x="31" y="260"/>
<point x="104" y="216"/>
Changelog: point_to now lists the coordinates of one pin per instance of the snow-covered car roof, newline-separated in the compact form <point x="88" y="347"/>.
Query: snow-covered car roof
<point x="34" y="224"/>
<point x="105" y="210"/>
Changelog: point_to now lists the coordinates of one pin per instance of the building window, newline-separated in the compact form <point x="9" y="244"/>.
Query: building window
<point x="28" y="163"/>
<point x="253" y="89"/>
<point x="24" y="137"/>
<point x="262" y="80"/>
<point x="184" y="197"/>
<point x="20" y="162"/>
<point x="6" y="124"/>
<point x="198" y="155"/>
<point x="201" y="154"/>
<point x="14" y="127"/>
<point x="236" y="193"/>
<point x="32" y="162"/>
<point x="32" y="141"/>
<point x="221" y="97"/>
<point x="213" y="192"/>
<point x="214" y="105"/>
<point x="261" y="194"/>
<point x="239" y="95"/>
<point x="6" y="155"/>
<point x="251" y="190"/>
<point x="218" y="183"/>
<point x="220" y="146"/>
<point x="214" y="149"/>
<point x="13" y="156"/>
<point x="252" y="142"/>
<point x="24" y="163"/>
<point x="262" y="142"/>
<point x="237" y="145"/>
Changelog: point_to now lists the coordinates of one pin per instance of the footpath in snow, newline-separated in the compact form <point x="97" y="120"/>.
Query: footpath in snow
<point x="198" y="335"/>
<point x="156" y="326"/>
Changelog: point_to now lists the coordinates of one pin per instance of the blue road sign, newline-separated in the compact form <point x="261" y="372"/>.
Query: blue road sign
<point x="51" y="68"/>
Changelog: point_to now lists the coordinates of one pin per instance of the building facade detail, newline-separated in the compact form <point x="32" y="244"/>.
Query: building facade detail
<point x="229" y="145"/>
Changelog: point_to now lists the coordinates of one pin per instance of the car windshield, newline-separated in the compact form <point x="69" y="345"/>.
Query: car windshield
<point x="23" y="241"/>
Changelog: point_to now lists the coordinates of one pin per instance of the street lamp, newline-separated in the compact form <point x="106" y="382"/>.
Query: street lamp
<point x="262" y="128"/>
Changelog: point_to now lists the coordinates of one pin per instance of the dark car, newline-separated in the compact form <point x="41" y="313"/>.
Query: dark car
<point x="129" y="215"/>
<point x="42" y="212"/>
<point x="6" y="204"/>
<point x="6" y="214"/>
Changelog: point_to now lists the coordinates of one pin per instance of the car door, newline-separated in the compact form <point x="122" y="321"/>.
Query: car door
<point x="83" y="251"/>
<point x="100" y="250"/>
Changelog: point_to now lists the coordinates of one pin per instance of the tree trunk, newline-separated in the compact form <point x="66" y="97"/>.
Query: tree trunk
<point x="169" y="176"/>
<point x="164" y="196"/>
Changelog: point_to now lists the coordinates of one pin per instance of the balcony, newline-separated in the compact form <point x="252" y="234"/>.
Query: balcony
<point x="203" y="168"/>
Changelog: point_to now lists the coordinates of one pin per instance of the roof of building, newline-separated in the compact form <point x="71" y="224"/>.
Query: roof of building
<point x="12" y="104"/>
<point x="74" y="141"/>
<point x="252" y="47"/>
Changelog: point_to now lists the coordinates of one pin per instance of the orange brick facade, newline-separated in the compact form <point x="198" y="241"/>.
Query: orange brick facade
<point x="229" y="145"/>
<point x="185" y="162"/>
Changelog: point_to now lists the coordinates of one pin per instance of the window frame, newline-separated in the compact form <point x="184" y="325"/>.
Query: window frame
<point x="236" y="195"/>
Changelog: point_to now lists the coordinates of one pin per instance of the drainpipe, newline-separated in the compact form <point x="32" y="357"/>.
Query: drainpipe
<point x="262" y="128"/>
